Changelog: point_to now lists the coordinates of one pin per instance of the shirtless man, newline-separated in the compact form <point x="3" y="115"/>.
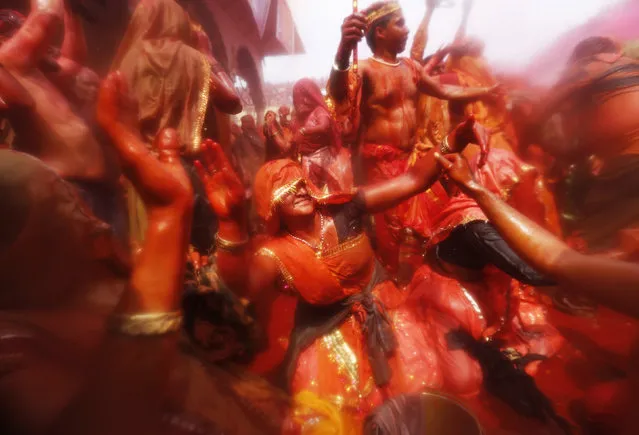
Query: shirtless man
<point x="53" y="129"/>
<point x="387" y="112"/>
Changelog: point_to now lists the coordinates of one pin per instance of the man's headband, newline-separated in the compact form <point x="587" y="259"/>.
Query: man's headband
<point x="378" y="14"/>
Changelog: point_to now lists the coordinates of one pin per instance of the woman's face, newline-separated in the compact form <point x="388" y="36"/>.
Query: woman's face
<point x="298" y="203"/>
<point x="303" y="104"/>
<point x="269" y="117"/>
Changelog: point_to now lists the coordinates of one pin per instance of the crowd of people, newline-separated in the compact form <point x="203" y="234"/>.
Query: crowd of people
<point x="418" y="250"/>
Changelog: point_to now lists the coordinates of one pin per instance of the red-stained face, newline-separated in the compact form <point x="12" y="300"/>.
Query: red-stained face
<point x="304" y="105"/>
<point x="395" y="34"/>
<point x="269" y="117"/>
<point x="298" y="203"/>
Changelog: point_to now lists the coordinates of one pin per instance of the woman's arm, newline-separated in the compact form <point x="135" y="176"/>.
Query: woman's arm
<point x="611" y="282"/>
<point x="129" y="387"/>
<point x="139" y="165"/>
<point x="424" y="173"/>
<point x="74" y="45"/>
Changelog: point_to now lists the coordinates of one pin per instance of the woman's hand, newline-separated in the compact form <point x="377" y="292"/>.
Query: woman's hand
<point x="466" y="133"/>
<point x="457" y="169"/>
<point x="224" y="188"/>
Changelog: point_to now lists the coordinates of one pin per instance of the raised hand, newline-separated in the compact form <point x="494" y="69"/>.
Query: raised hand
<point x="470" y="132"/>
<point x="115" y="104"/>
<point x="353" y="30"/>
<point x="458" y="170"/>
<point x="224" y="188"/>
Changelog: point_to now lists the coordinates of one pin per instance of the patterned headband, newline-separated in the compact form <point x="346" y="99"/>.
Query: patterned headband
<point x="376" y="15"/>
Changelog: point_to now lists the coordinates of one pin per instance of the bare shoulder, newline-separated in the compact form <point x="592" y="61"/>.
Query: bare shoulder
<point x="264" y="266"/>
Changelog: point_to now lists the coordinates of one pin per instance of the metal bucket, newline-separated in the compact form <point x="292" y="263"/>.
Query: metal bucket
<point x="426" y="413"/>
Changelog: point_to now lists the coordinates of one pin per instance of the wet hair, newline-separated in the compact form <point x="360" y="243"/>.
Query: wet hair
<point x="592" y="46"/>
<point x="380" y="24"/>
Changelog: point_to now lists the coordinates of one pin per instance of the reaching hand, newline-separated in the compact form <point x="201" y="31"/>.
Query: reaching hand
<point x="470" y="132"/>
<point x="458" y="170"/>
<point x="223" y="187"/>
<point x="115" y="105"/>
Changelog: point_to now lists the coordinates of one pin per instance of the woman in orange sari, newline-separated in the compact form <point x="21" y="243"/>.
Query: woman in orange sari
<point x="354" y="342"/>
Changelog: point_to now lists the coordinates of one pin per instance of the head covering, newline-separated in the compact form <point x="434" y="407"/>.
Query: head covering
<point x="309" y="89"/>
<point x="169" y="78"/>
<point x="273" y="182"/>
<point x="380" y="10"/>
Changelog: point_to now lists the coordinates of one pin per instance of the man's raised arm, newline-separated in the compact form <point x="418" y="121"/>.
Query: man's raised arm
<point x="353" y="30"/>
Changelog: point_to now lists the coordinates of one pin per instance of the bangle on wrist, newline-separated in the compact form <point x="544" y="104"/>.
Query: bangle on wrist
<point x="444" y="147"/>
<point x="229" y="246"/>
<point x="338" y="69"/>
<point x="145" y="324"/>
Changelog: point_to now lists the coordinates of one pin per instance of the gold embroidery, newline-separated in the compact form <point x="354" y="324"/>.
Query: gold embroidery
<point x="348" y="244"/>
<point x="344" y="358"/>
<point x="203" y="103"/>
<point x="280" y="265"/>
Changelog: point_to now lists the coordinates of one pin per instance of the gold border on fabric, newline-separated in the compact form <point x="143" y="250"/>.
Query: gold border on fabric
<point x="282" y="191"/>
<point x="280" y="265"/>
<point x="341" y="354"/>
<point x="202" y="105"/>
<point x="348" y="244"/>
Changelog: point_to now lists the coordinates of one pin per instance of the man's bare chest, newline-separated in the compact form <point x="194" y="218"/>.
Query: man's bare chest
<point x="389" y="86"/>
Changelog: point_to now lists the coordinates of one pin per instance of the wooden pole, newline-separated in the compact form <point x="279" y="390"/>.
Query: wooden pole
<point x="355" y="56"/>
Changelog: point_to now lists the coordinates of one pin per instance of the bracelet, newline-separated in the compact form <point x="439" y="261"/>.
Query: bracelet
<point x="230" y="246"/>
<point x="444" y="147"/>
<point x="145" y="324"/>
<point x="338" y="69"/>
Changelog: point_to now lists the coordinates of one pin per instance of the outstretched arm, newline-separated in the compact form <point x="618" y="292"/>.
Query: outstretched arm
<point x="74" y="45"/>
<point x="463" y="25"/>
<point x="129" y="387"/>
<point x="29" y="45"/>
<point x="611" y="282"/>
<point x="430" y="86"/>
<point x="226" y="194"/>
<point x="424" y="173"/>
<point x="421" y="36"/>
<point x="117" y="117"/>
